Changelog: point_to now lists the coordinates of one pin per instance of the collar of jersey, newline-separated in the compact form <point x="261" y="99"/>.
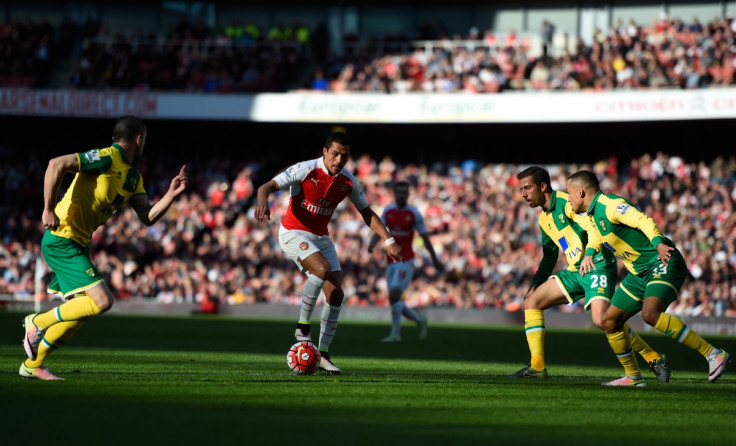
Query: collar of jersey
<point x="593" y="202"/>
<point x="552" y="199"/>
<point x="122" y="152"/>
<point x="321" y="163"/>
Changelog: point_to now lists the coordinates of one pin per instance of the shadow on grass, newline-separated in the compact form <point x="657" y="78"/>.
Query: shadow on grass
<point x="355" y="340"/>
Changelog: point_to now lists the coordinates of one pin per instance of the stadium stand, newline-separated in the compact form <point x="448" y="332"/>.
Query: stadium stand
<point x="632" y="56"/>
<point x="232" y="52"/>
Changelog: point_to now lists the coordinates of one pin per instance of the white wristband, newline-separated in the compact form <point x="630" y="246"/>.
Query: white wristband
<point x="389" y="241"/>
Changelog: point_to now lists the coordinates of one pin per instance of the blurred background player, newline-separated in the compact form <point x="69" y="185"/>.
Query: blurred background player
<point x="561" y="230"/>
<point x="656" y="267"/>
<point x="317" y="186"/>
<point x="105" y="180"/>
<point x="402" y="220"/>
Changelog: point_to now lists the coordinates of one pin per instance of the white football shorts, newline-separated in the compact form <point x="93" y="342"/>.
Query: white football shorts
<point x="298" y="245"/>
<point x="399" y="275"/>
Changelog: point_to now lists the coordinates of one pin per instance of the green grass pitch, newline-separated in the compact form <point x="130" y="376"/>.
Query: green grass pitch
<point x="217" y="380"/>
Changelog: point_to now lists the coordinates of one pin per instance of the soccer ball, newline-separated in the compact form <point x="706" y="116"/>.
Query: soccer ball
<point x="303" y="358"/>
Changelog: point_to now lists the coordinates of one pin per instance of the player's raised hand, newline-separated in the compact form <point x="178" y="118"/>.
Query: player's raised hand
<point x="179" y="183"/>
<point x="587" y="266"/>
<point x="394" y="251"/>
<point x="49" y="219"/>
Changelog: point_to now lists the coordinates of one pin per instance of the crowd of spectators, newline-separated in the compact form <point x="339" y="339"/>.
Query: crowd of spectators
<point x="26" y="52"/>
<point x="185" y="57"/>
<point x="210" y="248"/>
<point x="196" y="58"/>
<point x="240" y="57"/>
<point x="665" y="54"/>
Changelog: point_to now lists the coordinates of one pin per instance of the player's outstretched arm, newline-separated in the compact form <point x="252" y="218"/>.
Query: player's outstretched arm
<point x="262" y="211"/>
<point x="150" y="214"/>
<point x="57" y="168"/>
<point x="375" y="238"/>
<point x="374" y="222"/>
<point x="372" y="243"/>
<point x="550" y="255"/>
<point x="435" y="261"/>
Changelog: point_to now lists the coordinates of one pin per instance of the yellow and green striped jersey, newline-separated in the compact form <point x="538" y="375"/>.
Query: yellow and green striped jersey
<point x="628" y="233"/>
<point x="106" y="180"/>
<point x="562" y="229"/>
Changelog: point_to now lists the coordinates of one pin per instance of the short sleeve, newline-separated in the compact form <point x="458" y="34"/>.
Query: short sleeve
<point x="357" y="196"/>
<point x="293" y="174"/>
<point x="418" y="222"/>
<point x="93" y="162"/>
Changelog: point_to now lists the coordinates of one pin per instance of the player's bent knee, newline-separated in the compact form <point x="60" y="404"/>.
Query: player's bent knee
<point x="650" y="317"/>
<point x="103" y="304"/>
<point x="102" y="298"/>
<point x="599" y="322"/>
<point x="611" y="325"/>
<point x="537" y="302"/>
<point x="531" y="304"/>
<point x="335" y="298"/>
<point x="321" y="271"/>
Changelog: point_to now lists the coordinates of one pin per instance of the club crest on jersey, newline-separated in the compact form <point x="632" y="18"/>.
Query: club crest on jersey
<point x="90" y="272"/>
<point x="304" y="246"/>
<point x="602" y="224"/>
<point x="345" y="187"/>
<point x="92" y="156"/>
<point x="562" y="218"/>
<point x="131" y="180"/>
<point x="622" y="208"/>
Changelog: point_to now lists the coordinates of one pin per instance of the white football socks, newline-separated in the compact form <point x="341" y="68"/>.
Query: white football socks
<point x="312" y="288"/>
<point x="328" y="325"/>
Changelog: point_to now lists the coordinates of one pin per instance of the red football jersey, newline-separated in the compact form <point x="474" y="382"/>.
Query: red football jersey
<point x="401" y="224"/>
<point x="315" y="194"/>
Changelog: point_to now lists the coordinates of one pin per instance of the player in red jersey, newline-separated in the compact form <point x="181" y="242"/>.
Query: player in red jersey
<point x="402" y="220"/>
<point x="317" y="186"/>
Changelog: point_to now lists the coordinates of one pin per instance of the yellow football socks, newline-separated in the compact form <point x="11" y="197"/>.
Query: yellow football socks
<point x="79" y="307"/>
<point x="621" y="345"/>
<point x="639" y="345"/>
<point x="534" y="327"/>
<point x="673" y="327"/>
<point x="55" y="337"/>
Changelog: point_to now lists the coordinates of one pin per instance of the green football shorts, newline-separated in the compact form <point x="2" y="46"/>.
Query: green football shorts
<point x="661" y="281"/>
<point x="71" y="264"/>
<point x="599" y="284"/>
